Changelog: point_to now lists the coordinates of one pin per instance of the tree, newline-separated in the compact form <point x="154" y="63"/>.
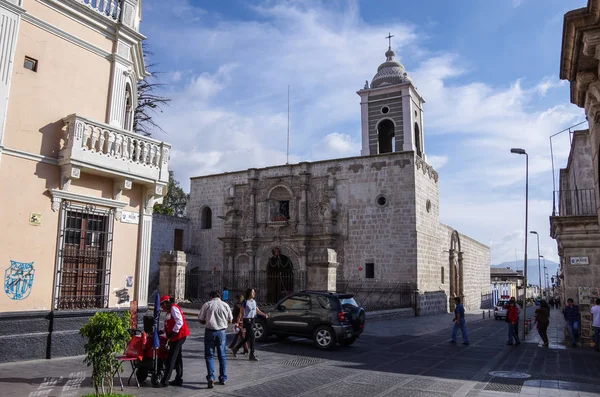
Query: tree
<point x="149" y="102"/>
<point x="106" y="333"/>
<point x="175" y="201"/>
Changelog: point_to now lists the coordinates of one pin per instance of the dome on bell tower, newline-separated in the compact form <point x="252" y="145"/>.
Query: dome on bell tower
<point x="390" y="72"/>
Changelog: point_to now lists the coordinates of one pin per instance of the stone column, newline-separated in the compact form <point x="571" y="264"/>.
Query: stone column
<point x="172" y="265"/>
<point x="322" y="269"/>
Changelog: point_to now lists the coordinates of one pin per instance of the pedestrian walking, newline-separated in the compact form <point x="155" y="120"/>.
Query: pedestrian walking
<point x="512" y="317"/>
<point x="246" y="318"/>
<point x="215" y="315"/>
<point x="177" y="331"/>
<point x="225" y="294"/>
<point x="542" y="318"/>
<point x="552" y="303"/>
<point x="459" y="322"/>
<point x="239" y="331"/>
<point x="595" y="310"/>
<point x="571" y="313"/>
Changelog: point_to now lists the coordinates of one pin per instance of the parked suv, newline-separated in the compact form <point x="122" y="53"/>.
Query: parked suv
<point x="325" y="317"/>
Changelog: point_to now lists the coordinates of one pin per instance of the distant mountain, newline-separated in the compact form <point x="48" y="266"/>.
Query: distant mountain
<point x="532" y="269"/>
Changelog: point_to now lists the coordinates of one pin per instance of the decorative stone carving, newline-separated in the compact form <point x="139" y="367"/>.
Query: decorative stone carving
<point x="56" y="204"/>
<point x="378" y="165"/>
<point x="67" y="173"/>
<point x="591" y="41"/>
<point x="333" y="170"/>
<point x="355" y="167"/>
<point x="402" y="163"/>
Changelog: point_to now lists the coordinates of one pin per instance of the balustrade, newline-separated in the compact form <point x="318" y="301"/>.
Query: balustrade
<point x="101" y="145"/>
<point x="109" y="8"/>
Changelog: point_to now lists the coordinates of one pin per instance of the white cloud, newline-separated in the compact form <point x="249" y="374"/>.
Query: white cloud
<point x="229" y="112"/>
<point x="547" y="84"/>
<point x="437" y="162"/>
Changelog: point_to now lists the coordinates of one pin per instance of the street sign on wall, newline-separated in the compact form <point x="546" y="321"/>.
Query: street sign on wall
<point x="580" y="260"/>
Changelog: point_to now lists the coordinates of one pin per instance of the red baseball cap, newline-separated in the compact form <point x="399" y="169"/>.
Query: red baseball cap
<point x="164" y="299"/>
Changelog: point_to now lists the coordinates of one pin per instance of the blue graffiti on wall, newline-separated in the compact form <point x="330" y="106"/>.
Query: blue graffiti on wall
<point x="18" y="280"/>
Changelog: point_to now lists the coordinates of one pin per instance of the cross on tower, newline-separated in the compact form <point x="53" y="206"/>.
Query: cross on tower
<point x="389" y="37"/>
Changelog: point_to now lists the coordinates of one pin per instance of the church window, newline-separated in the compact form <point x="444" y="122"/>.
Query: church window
<point x="381" y="200"/>
<point x="428" y="205"/>
<point x="385" y="136"/>
<point x="385" y="110"/>
<point x="369" y="270"/>
<point x="279" y="204"/>
<point x="206" y="218"/>
<point x="418" y="140"/>
<point x="443" y="275"/>
<point x="178" y="240"/>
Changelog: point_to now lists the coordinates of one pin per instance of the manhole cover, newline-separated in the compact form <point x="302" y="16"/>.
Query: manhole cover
<point x="300" y="361"/>
<point x="506" y="385"/>
<point x="509" y="374"/>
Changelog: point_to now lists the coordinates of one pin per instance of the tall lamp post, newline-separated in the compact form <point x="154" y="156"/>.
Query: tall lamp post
<point x="522" y="151"/>
<point x="539" y="261"/>
<point x="545" y="278"/>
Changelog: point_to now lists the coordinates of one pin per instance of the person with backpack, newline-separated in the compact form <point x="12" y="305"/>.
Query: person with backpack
<point x="246" y="318"/>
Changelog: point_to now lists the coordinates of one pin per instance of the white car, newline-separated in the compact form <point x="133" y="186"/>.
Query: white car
<point x="500" y="309"/>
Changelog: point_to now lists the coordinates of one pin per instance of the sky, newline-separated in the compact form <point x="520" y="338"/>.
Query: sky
<point x="488" y="71"/>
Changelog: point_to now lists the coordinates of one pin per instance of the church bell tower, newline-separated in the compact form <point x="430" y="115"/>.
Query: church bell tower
<point x="391" y="111"/>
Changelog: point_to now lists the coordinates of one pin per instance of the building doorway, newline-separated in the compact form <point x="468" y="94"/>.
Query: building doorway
<point x="280" y="276"/>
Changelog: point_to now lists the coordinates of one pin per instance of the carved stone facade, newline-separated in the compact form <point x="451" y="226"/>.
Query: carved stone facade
<point x="378" y="213"/>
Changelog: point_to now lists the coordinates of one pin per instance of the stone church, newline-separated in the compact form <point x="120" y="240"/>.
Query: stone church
<point x="374" y="216"/>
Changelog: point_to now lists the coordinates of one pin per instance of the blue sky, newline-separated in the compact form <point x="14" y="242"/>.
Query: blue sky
<point x="488" y="71"/>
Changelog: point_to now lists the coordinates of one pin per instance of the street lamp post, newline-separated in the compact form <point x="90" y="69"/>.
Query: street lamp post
<point x="545" y="278"/>
<point x="539" y="262"/>
<point x="522" y="151"/>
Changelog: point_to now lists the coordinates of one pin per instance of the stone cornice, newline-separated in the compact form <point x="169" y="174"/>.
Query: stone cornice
<point x="581" y="226"/>
<point x="12" y="7"/>
<point x="59" y="195"/>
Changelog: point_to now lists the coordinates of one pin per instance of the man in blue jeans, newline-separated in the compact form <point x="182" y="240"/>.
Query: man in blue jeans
<point x="571" y="314"/>
<point x="459" y="322"/>
<point x="216" y="316"/>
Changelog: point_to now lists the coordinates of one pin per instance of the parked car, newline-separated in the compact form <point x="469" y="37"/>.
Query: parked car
<point x="325" y="317"/>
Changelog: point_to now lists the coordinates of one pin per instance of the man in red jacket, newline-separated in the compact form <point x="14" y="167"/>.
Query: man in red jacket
<point x="176" y="330"/>
<point x="512" y="317"/>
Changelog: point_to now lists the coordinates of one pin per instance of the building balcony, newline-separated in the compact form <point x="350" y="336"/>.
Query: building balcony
<point x="578" y="202"/>
<point x="97" y="148"/>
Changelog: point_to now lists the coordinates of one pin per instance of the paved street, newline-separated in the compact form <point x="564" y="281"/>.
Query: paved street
<point x="404" y="357"/>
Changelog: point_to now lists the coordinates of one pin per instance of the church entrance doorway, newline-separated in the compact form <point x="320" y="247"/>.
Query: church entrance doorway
<point x="456" y="270"/>
<point x="280" y="276"/>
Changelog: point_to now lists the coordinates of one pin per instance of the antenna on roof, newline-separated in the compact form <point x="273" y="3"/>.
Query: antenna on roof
<point x="287" y="161"/>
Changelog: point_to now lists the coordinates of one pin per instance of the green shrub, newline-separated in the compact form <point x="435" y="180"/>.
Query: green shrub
<point x="107" y="334"/>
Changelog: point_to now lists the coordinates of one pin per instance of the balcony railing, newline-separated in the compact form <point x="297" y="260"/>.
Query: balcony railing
<point x="108" y="8"/>
<point x="578" y="202"/>
<point x="103" y="148"/>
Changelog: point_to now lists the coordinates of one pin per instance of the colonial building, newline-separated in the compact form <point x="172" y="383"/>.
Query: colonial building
<point x="506" y="282"/>
<point x="378" y="213"/>
<point x="78" y="185"/>
<point x="574" y="220"/>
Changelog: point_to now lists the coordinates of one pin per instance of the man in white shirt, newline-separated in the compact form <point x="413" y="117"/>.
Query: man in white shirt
<point x="216" y="316"/>
<point x="595" y="310"/>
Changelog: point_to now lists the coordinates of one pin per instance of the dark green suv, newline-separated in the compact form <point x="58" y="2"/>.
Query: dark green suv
<point x="325" y="317"/>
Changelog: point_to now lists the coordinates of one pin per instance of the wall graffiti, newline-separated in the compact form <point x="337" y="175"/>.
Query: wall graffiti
<point x="122" y="296"/>
<point x="18" y="280"/>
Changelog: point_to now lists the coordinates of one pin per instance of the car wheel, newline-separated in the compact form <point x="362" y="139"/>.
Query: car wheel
<point x="141" y="374"/>
<point x="323" y="337"/>
<point x="260" y="330"/>
<point x="348" y="342"/>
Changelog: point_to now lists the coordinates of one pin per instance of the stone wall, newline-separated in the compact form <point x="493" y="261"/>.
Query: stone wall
<point x="476" y="267"/>
<point x="431" y="303"/>
<point x="163" y="239"/>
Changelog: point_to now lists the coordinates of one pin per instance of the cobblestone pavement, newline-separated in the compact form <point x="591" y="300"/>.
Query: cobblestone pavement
<point x="403" y="357"/>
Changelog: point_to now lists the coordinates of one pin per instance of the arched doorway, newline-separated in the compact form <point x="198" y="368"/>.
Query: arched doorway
<point x="280" y="276"/>
<point x="385" y="136"/>
<point x="456" y="270"/>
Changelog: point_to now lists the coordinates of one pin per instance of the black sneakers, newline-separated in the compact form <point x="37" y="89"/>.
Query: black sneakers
<point x="253" y="358"/>
<point x="211" y="384"/>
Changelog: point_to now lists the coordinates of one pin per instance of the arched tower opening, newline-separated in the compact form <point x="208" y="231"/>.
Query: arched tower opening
<point x="385" y="136"/>
<point x="418" y="140"/>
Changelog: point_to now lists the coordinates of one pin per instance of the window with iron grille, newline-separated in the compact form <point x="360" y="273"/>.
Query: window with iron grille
<point x="85" y="241"/>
